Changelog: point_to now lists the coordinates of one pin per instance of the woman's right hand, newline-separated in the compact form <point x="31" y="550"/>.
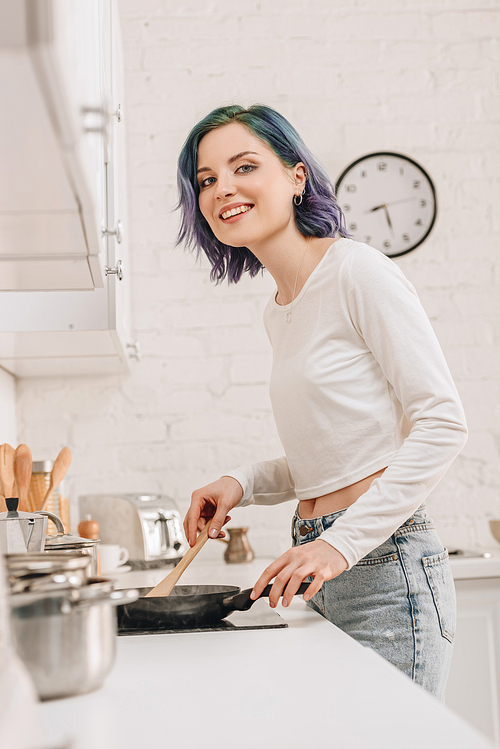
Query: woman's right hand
<point x="210" y="504"/>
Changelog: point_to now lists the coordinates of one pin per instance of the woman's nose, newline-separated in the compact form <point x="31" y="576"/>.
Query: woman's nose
<point x="224" y="189"/>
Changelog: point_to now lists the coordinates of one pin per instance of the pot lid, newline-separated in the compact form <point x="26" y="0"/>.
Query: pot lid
<point x="45" y="562"/>
<point x="95" y="590"/>
<point x="68" y="541"/>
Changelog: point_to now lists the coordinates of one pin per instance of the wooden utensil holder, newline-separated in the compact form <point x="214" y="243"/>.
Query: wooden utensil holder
<point x="58" y="503"/>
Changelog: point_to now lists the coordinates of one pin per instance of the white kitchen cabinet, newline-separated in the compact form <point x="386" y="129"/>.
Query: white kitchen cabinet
<point x="473" y="689"/>
<point x="116" y="187"/>
<point x="60" y="313"/>
<point x="52" y="183"/>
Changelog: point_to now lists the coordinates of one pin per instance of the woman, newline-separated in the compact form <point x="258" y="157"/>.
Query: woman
<point x="365" y="406"/>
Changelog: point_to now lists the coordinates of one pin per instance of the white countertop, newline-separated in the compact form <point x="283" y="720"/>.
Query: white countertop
<point x="468" y="568"/>
<point x="309" y="685"/>
<point x="463" y="568"/>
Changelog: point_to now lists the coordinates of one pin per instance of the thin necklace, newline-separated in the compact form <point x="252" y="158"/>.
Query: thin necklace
<point x="289" y="313"/>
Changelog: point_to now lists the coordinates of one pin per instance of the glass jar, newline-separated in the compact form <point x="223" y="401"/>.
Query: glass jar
<point x="58" y="502"/>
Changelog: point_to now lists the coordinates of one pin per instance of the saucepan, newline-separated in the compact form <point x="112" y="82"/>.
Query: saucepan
<point x="67" y="638"/>
<point x="187" y="607"/>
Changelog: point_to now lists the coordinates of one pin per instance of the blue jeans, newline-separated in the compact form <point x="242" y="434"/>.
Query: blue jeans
<point x="398" y="600"/>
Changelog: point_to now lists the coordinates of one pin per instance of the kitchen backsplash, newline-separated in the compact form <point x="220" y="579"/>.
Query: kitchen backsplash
<point x="417" y="78"/>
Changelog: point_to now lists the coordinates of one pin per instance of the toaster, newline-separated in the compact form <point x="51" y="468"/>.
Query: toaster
<point x="148" y="525"/>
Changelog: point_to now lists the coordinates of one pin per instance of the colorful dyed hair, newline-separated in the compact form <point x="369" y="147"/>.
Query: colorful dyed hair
<point x="318" y="215"/>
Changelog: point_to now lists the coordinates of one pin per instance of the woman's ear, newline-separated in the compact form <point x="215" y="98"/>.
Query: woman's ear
<point x="300" y="174"/>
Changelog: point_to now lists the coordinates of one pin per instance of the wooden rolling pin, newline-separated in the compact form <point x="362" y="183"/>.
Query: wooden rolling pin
<point x="164" y="588"/>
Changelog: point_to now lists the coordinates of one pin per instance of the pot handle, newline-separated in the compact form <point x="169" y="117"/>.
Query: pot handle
<point x="69" y="600"/>
<point x="55" y="519"/>
<point x="118" y="597"/>
<point x="115" y="598"/>
<point x="242" y="601"/>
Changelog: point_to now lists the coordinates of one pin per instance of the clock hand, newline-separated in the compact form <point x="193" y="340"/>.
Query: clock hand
<point x="377" y="208"/>
<point x="405" y="200"/>
<point x="393" y="202"/>
<point x="388" y="219"/>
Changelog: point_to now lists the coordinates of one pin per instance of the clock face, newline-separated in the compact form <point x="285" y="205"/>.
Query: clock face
<point x="389" y="202"/>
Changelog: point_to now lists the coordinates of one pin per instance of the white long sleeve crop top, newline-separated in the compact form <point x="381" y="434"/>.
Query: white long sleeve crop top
<point x="357" y="366"/>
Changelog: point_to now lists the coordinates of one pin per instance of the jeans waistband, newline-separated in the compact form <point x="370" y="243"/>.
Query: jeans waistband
<point x="311" y="528"/>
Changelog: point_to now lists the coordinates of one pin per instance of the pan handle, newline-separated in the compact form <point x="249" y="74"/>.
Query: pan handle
<point x="242" y="601"/>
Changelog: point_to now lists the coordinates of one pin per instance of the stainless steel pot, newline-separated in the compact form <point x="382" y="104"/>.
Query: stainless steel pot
<point x="69" y="542"/>
<point x="47" y="570"/>
<point x="67" y="638"/>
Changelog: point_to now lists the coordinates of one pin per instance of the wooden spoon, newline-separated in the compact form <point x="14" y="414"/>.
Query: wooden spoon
<point x="7" y="469"/>
<point x="58" y="472"/>
<point x="164" y="588"/>
<point x="23" y="463"/>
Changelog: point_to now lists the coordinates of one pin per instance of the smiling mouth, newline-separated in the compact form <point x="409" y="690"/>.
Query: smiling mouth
<point x="235" y="211"/>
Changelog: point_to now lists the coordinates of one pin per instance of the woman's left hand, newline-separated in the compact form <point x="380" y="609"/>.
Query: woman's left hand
<point x="316" y="559"/>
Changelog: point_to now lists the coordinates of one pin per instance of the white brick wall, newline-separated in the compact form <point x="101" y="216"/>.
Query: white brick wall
<point x="420" y="76"/>
<point x="8" y="407"/>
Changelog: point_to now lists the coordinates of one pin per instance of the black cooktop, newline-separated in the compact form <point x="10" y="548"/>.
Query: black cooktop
<point x="262" y="617"/>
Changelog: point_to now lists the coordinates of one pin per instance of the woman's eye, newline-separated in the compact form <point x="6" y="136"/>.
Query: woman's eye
<point x="246" y="168"/>
<point x="207" y="181"/>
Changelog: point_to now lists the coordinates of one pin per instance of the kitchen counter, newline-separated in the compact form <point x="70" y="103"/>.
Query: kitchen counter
<point x="463" y="568"/>
<point x="309" y="685"/>
<point x="467" y="568"/>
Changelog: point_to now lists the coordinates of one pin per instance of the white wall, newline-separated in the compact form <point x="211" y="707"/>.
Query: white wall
<point x="8" y="409"/>
<point x="416" y="76"/>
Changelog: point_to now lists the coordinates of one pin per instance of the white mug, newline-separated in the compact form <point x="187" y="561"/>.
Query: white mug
<point x="112" y="556"/>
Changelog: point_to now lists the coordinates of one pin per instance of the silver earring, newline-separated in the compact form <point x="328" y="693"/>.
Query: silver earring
<point x="297" y="199"/>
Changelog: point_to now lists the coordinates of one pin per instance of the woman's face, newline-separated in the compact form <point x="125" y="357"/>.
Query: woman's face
<point x="246" y="192"/>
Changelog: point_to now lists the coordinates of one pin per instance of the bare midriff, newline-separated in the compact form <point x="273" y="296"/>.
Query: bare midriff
<point x="338" y="500"/>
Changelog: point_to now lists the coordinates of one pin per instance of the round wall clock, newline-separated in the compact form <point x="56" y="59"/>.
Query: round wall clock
<point x="389" y="202"/>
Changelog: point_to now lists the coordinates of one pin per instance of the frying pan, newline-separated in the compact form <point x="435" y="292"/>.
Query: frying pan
<point x="187" y="607"/>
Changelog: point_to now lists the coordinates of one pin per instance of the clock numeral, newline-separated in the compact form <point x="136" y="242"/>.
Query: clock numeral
<point x="401" y="170"/>
<point x="363" y="173"/>
<point x="351" y="188"/>
<point x="367" y="238"/>
<point x="346" y="207"/>
<point x="423" y="203"/>
<point x="406" y="237"/>
<point x="387" y="244"/>
<point x="416" y="184"/>
<point x="353" y="227"/>
<point x="418" y="222"/>
<point x="382" y="166"/>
